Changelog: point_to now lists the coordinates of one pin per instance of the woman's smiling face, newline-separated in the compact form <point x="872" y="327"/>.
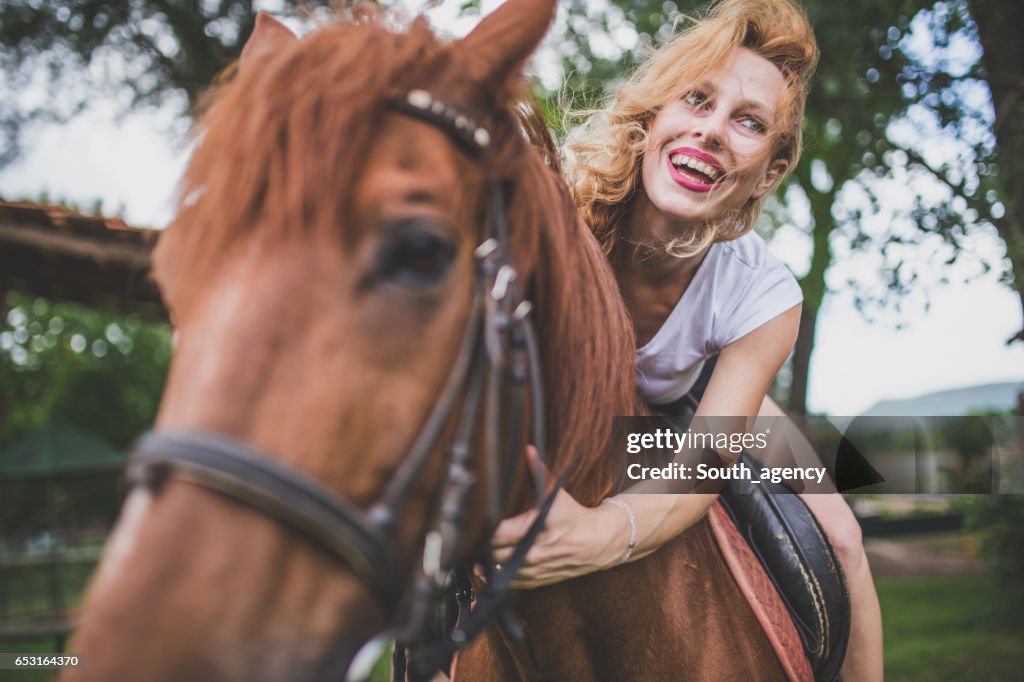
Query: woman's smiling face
<point x="711" y="151"/>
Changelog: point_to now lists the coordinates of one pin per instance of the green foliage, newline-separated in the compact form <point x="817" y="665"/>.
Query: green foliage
<point x="101" y="372"/>
<point x="1000" y="522"/>
<point x="155" y="52"/>
<point x="972" y="440"/>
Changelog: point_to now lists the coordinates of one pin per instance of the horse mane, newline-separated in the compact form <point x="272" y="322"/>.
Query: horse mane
<point x="586" y="335"/>
<point x="281" y="139"/>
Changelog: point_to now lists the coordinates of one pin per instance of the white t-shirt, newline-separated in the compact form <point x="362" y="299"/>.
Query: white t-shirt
<point x="739" y="286"/>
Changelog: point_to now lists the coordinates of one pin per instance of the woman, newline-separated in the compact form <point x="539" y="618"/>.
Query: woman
<point x="671" y="178"/>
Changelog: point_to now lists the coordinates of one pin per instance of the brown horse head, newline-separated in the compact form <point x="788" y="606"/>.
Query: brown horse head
<point x="320" y="274"/>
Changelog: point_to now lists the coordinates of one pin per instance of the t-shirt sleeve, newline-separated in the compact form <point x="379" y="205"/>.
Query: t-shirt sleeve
<point x="772" y="291"/>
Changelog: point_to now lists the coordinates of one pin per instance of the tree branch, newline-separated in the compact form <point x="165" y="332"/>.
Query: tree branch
<point x="958" y="188"/>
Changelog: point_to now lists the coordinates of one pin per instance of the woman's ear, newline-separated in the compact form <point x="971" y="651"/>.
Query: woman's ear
<point x="777" y="170"/>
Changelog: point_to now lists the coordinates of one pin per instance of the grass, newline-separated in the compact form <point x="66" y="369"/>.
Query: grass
<point x="950" y="628"/>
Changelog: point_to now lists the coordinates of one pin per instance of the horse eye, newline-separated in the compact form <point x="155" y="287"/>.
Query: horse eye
<point x="416" y="257"/>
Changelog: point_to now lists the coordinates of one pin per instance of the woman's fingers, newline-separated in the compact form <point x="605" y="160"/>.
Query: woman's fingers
<point x="502" y="555"/>
<point x="536" y="466"/>
<point x="561" y="550"/>
<point x="512" y="529"/>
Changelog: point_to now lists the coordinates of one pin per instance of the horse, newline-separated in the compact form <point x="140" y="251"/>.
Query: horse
<point x="322" y="273"/>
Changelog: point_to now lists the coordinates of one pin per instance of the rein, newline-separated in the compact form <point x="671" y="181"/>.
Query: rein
<point x="498" y="356"/>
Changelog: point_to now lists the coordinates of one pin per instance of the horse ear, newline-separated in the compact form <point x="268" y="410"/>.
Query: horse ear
<point x="268" y="36"/>
<point x="501" y="43"/>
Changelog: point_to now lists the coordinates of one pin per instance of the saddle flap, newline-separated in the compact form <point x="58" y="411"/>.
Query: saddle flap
<point x="793" y="553"/>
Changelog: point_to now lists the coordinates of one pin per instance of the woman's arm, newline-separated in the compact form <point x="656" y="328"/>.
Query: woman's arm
<point x="578" y="540"/>
<point x="746" y="367"/>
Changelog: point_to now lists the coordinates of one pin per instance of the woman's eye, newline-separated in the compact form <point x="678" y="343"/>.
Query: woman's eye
<point x="415" y="256"/>
<point x="696" y="99"/>
<point x="752" y="124"/>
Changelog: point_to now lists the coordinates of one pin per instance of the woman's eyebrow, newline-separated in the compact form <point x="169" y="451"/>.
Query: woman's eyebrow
<point x="757" y="107"/>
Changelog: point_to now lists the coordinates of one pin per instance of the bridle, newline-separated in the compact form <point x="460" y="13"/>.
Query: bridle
<point x="497" y="366"/>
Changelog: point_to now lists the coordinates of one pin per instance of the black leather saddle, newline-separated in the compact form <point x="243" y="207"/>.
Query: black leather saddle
<point x="794" y="551"/>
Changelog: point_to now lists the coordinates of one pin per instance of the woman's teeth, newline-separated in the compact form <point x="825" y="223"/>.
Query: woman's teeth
<point x="690" y="163"/>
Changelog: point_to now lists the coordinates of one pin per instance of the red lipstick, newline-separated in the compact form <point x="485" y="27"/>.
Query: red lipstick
<point x="686" y="181"/>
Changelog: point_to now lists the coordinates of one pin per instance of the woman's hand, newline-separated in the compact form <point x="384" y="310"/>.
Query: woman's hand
<point x="576" y="540"/>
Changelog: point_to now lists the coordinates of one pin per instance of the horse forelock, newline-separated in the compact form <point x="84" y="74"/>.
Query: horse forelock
<point x="281" y="145"/>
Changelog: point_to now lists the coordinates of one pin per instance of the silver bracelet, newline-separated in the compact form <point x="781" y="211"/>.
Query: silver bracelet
<point x="632" y="526"/>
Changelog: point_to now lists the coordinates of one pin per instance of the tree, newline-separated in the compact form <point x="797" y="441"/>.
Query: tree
<point x="999" y="519"/>
<point x="993" y="184"/>
<point x="135" y="52"/>
<point x="101" y="372"/>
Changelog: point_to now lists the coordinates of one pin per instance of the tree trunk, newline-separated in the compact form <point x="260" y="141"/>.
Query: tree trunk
<point x="802" y="361"/>
<point x="999" y="26"/>
<point x="813" y="286"/>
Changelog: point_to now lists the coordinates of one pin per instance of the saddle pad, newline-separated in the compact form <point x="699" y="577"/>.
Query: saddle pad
<point x="762" y="596"/>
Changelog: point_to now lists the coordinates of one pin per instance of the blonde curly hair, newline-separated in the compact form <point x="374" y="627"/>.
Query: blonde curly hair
<point x="605" y="153"/>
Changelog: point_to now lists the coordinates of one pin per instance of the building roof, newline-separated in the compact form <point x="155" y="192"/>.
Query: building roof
<point x="55" y="252"/>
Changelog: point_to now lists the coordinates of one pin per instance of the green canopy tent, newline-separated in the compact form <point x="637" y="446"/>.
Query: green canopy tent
<point x="57" y="449"/>
<point x="57" y="480"/>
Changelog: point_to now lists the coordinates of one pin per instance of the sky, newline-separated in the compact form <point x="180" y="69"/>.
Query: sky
<point x="133" y="164"/>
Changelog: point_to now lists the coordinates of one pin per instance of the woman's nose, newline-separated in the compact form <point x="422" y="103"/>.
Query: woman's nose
<point x="711" y="129"/>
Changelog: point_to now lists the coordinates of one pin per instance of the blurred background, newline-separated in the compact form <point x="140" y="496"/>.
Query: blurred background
<point x="904" y="224"/>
